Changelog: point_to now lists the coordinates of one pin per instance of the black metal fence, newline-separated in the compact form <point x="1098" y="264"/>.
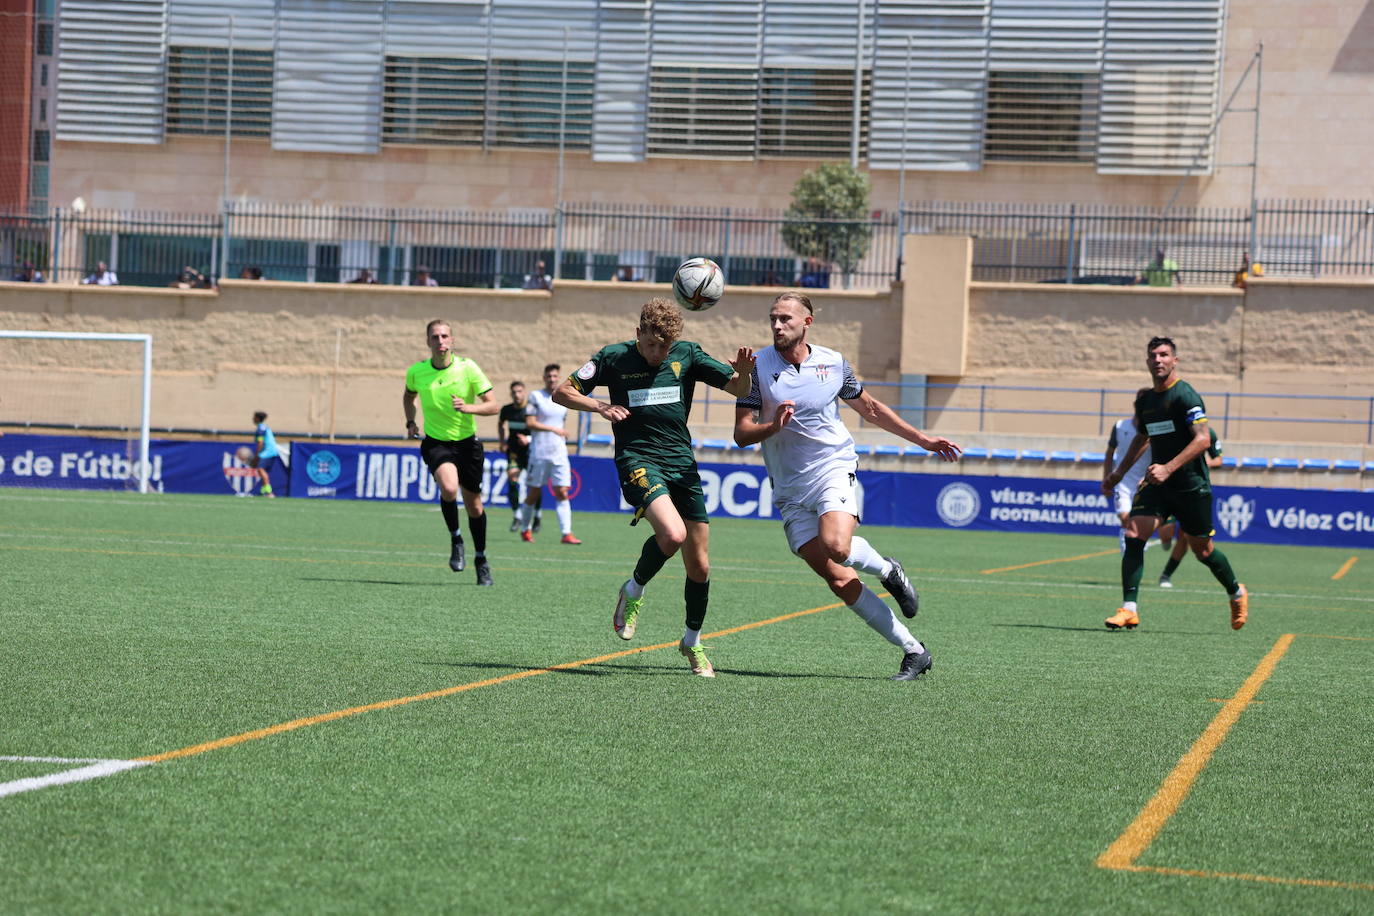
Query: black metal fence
<point x="1055" y="243"/>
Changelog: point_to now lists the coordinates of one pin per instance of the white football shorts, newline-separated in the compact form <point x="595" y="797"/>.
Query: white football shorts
<point x="548" y="470"/>
<point x="801" y="512"/>
<point x="1123" y="493"/>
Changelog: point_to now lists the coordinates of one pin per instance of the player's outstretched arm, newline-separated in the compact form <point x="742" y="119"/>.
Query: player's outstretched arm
<point x="749" y="431"/>
<point x="568" y="395"/>
<point x="885" y="418"/>
<point x="743" y="364"/>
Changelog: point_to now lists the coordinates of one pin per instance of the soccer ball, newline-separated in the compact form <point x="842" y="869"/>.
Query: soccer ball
<point x="698" y="284"/>
<point x="244" y="454"/>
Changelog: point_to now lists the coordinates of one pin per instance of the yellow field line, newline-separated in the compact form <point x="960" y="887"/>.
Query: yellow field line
<point x="1141" y="833"/>
<point x="1340" y="573"/>
<point x="1240" y="876"/>
<point x="1083" y="556"/>
<point x="294" y="724"/>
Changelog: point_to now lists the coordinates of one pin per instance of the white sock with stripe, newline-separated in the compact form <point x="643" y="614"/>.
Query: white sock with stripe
<point x="880" y="617"/>
<point x="863" y="556"/>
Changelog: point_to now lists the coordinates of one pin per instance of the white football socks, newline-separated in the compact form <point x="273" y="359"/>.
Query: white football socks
<point x="691" y="637"/>
<point x="880" y="617"/>
<point x="863" y="556"/>
<point x="633" y="588"/>
<point x="563" y="508"/>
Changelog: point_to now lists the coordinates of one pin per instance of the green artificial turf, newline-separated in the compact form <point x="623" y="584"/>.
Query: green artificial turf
<point x="800" y="780"/>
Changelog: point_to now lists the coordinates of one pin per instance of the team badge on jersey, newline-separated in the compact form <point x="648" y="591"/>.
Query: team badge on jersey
<point x="587" y="371"/>
<point x="822" y="372"/>
<point x="677" y="369"/>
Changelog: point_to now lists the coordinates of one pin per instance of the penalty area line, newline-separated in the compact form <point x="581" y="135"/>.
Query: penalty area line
<point x="94" y="770"/>
<point x="306" y="721"/>
<point x="1081" y="556"/>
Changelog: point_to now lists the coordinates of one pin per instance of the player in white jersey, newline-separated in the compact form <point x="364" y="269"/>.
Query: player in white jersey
<point x="1123" y="433"/>
<point x="795" y="392"/>
<point x="548" y="457"/>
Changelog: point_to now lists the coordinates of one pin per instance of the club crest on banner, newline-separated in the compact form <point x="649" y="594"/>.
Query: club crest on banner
<point x="1235" y="513"/>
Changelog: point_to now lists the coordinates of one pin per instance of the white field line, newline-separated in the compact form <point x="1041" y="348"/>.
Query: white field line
<point x="418" y="554"/>
<point x="94" y="770"/>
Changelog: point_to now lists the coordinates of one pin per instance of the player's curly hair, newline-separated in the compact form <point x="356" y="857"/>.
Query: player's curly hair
<point x="662" y="319"/>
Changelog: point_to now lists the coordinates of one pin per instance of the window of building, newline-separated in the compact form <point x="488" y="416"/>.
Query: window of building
<point x="809" y="112"/>
<point x="42" y="39"/>
<point x="434" y="100"/>
<point x="42" y="145"/>
<point x="42" y="111"/>
<point x="197" y="96"/>
<point x="1041" y="117"/>
<point x="527" y="97"/>
<point x="43" y="75"/>
<point x="703" y="111"/>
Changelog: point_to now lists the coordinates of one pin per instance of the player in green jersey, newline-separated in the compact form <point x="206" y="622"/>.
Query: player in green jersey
<point x="1180" y="548"/>
<point x="1173" y="424"/>
<point x="650" y="381"/>
<point x="452" y="390"/>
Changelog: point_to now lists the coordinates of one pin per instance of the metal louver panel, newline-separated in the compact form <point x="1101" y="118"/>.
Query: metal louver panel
<point x="525" y="88"/>
<point x="1060" y="36"/>
<point x="944" y="120"/>
<point x="328" y="91"/>
<point x="1159" y="85"/>
<point x="437" y="28"/>
<point x="704" y="83"/>
<point x="620" y="107"/>
<point x="205" y="23"/>
<point x="110" y="70"/>
<point x="816" y="33"/>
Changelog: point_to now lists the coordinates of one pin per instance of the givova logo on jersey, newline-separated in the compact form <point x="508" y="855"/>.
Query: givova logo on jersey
<point x="1235" y="513"/>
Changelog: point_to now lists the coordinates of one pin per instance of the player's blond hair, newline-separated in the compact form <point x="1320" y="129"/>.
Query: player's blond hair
<point x="662" y="319"/>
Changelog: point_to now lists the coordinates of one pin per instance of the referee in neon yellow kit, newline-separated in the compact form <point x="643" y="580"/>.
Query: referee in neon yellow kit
<point x="452" y="390"/>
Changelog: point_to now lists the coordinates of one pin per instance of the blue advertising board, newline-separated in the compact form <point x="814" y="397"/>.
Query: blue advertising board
<point x="1331" y="518"/>
<point x="1254" y="514"/>
<point x="94" y="463"/>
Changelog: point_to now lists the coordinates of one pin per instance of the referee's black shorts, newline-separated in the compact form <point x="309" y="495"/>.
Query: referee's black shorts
<point x="465" y="454"/>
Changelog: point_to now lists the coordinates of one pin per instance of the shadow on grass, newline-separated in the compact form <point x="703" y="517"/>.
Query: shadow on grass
<point x="1158" y="631"/>
<point x="602" y="669"/>
<point x="366" y="581"/>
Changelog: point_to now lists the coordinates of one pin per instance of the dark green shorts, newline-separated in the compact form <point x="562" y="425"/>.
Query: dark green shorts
<point x="1192" y="508"/>
<point x="641" y="482"/>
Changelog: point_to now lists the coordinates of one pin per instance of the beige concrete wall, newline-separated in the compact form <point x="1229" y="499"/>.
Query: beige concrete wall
<point x="220" y="355"/>
<point x="1318" y="79"/>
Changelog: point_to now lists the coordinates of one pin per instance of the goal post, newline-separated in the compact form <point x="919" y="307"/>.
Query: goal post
<point x="41" y="370"/>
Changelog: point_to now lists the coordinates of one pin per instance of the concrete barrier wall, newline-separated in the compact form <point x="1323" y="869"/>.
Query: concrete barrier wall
<point x="219" y="355"/>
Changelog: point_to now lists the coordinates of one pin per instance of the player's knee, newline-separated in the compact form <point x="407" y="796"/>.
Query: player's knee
<point x="1135" y="545"/>
<point x="671" y="540"/>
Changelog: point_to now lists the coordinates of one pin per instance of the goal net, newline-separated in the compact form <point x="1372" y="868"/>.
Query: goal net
<point x="56" y="383"/>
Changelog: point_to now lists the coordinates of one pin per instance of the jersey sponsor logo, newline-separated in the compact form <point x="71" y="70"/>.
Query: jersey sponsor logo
<point x="957" y="505"/>
<point x="1159" y="428"/>
<point x="643" y="397"/>
<point x="1235" y="513"/>
<point x="1196" y="415"/>
<point x="587" y="371"/>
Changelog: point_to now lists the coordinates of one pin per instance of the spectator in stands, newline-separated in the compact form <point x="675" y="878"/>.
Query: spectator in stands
<point x="624" y="274"/>
<point x="101" y="276"/>
<point x="251" y="273"/>
<point x="539" y="279"/>
<point x="815" y="275"/>
<point x="364" y="276"/>
<point x="190" y="278"/>
<point x="1162" y="271"/>
<point x="422" y="277"/>
<point x="1247" y="269"/>
<point x="28" y="274"/>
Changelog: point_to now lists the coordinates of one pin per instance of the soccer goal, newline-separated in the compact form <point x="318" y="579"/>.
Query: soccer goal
<point x="58" y="382"/>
